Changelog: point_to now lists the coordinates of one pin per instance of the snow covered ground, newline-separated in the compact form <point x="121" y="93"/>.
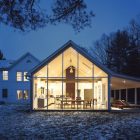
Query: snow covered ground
<point x="16" y="122"/>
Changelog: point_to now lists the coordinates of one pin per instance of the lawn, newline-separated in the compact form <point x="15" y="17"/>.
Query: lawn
<point x="16" y="122"/>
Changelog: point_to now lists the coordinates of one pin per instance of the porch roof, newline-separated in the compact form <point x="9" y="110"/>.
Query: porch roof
<point x="124" y="82"/>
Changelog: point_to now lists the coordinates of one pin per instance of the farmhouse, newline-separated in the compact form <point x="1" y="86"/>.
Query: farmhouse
<point x="71" y="79"/>
<point x="14" y="87"/>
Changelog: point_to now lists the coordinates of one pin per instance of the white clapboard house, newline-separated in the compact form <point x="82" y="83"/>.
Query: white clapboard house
<point x="14" y="86"/>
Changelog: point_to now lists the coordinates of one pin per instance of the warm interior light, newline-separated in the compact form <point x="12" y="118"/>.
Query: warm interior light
<point x="71" y="70"/>
<point x="124" y="81"/>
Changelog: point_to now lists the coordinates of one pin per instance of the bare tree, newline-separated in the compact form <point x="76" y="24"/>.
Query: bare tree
<point x="98" y="50"/>
<point x="29" y="15"/>
<point x="112" y="50"/>
<point x="134" y="31"/>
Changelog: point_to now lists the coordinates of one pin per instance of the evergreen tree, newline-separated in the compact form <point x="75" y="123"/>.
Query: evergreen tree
<point x="117" y="52"/>
<point x="120" y="51"/>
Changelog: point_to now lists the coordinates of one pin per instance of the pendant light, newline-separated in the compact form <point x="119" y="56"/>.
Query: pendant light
<point x="71" y="69"/>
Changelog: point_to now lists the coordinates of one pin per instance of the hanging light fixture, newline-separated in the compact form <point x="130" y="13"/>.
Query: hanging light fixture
<point x="71" y="69"/>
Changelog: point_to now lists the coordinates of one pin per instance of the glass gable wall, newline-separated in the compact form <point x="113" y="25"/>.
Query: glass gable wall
<point x="70" y="82"/>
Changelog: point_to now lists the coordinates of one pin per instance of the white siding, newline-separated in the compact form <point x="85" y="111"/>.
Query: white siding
<point x="12" y="84"/>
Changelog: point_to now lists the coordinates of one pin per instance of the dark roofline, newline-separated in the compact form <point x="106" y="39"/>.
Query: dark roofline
<point x="78" y="49"/>
<point x="125" y="77"/>
<point x="85" y="54"/>
<point x="21" y="58"/>
<point x="10" y="63"/>
<point x="2" y="69"/>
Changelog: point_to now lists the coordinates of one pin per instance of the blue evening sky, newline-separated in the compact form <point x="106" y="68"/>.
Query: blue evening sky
<point x="110" y="16"/>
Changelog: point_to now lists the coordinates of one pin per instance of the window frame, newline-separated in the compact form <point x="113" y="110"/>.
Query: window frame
<point x="19" y="97"/>
<point x="17" y="76"/>
<point x="5" y="75"/>
<point x="104" y="78"/>
<point x="4" y="93"/>
<point x="24" y="76"/>
<point x="25" y="96"/>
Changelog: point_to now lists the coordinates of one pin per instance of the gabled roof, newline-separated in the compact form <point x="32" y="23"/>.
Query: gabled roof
<point x="4" y="64"/>
<point x="85" y="54"/>
<point x="20" y="59"/>
<point x="78" y="49"/>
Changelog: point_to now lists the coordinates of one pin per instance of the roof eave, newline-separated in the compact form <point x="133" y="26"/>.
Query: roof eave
<point x="21" y="58"/>
<point x="64" y="47"/>
<point x="126" y="77"/>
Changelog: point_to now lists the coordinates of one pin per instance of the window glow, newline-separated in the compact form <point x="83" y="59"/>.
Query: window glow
<point x="19" y="94"/>
<point x="5" y="75"/>
<point x="25" y="78"/>
<point x="25" y="94"/>
<point x="70" y="76"/>
<point x="19" y="76"/>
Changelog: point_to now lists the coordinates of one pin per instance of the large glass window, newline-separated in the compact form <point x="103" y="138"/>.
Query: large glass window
<point x="70" y="81"/>
<point x="85" y="94"/>
<point x="42" y="72"/>
<point x="85" y="67"/>
<point x="131" y="95"/>
<point x="138" y="96"/>
<point x="101" y="93"/>
<point x="117" y="94"/>
<point x="70" y="62"/>
<point x="39" y="93"/>
<point x="5" y="75"/>
<point x="54" y="83"/>
<point x="99" y="72"/>
<point x="54" y="94"/>
<point x="55" y="67"/>
<point x="123" y="94"/>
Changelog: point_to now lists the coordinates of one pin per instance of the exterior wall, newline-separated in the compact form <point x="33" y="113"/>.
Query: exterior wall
<point x="13" y="85"/>
<point x="53" y="86"/>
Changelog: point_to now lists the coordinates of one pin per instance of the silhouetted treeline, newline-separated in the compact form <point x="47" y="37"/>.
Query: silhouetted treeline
<point x="1" y="55"/>
<point x="120" y="51"/>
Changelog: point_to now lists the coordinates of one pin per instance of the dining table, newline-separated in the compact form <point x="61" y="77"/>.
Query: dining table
<point x="72" y="103"/>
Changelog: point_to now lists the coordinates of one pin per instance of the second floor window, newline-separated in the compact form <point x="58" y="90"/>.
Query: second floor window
<point x="5" y="75"/>
<point x="25" y="77"/>
<point x="19" y="76"/>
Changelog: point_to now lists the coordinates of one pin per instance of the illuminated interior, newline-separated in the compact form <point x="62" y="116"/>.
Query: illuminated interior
<point x="70" y="82"/>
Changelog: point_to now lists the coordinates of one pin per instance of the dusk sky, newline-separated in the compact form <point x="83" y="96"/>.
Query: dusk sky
<point x="110" y="16"/>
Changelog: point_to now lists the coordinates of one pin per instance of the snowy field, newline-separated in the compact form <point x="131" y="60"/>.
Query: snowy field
<point x="17" y="123"/>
